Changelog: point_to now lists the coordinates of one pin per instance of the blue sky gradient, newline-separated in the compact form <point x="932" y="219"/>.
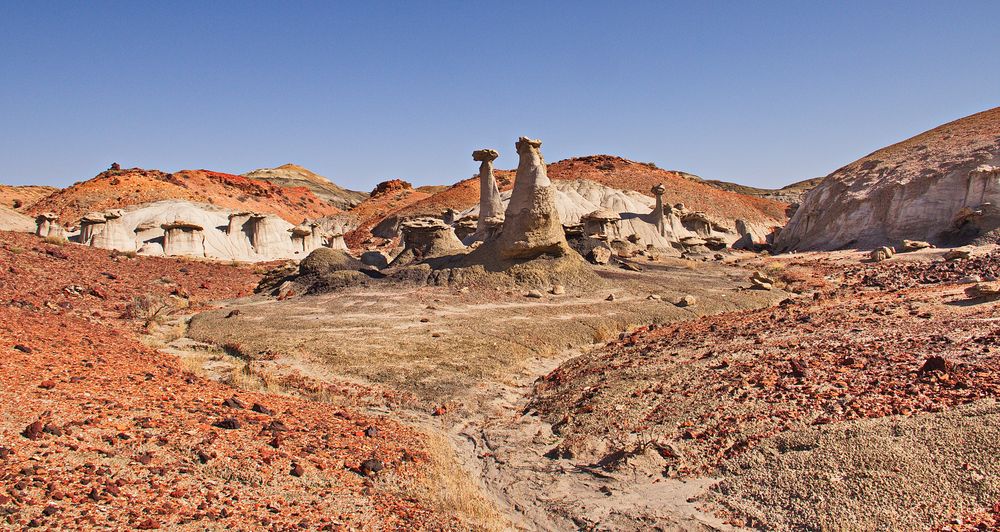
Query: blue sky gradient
<point x="761" y="93"/>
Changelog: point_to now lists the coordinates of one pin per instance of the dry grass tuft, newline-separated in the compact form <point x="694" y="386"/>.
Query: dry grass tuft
<point x="448" y="488"/>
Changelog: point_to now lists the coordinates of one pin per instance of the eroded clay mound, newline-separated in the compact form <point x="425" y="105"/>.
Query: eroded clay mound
<point x="293" y="175"/>
<point x="939" y="186"/>
<point x="11" y="220"/>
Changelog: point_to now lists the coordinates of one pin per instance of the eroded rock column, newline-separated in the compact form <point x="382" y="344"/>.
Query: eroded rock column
<point x="46" y="224"/>
<point x="531" y="224"/>
<point x="115" y="235"/>
<point x="490" y="207"/>
<point x="182" y="238"/>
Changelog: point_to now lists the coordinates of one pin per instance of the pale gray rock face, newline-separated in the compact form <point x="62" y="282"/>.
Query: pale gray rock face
<point x="116" y="234"/>
<point x="531" y="224"/>
<point x="335" y="239"/>
<point x="941" y="186"/>
<point x="182" y="238"/>
<point x="90" y="225"/>
<point x="490" y="206"/>
<point x="11" y="220"/>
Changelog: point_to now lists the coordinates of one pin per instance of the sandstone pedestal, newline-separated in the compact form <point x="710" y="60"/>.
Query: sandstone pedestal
<point x="491" y="214"/>
<point x="182" y="238"/>
<point x="531" y="226"/>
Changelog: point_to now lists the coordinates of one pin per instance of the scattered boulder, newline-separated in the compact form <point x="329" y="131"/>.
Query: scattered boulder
<point x="914" y="245"/>
<point x="600" y="255"/>
<point x="881" y="254"/>
<point x="687" y="301"/>
<point x="759" y="281"/>
<point x="535" y="294"/>
<point x="377" y="259"/>
<point x="558" y="290"/>
<point x="957" y="254"/>
<point x="371" y="467"/>
<point x="984" y="290"/>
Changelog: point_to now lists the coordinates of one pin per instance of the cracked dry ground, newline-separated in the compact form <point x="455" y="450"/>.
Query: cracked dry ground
<point x="99" y="431"/>
<point x="872" y="403"/>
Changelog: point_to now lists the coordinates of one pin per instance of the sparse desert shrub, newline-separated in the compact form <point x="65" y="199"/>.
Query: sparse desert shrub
<point x="55" y="240"/>
<point x="17" y="204"/>
<point x="147" y="308"/>
<point x="16" y="250"/>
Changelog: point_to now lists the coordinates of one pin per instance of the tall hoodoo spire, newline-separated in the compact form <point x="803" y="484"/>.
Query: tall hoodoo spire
<point x="531" y="224"/>
<point x="490" y="206"/>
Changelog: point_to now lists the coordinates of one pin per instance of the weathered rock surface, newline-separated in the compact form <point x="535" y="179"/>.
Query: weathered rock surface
<point x="940" y="186"/>
<point x="531" y="222"/>
<point x="490" y="207"/>
<point x="11" y="220"/>
<point x="425" y="238"/>
<point x="183" y="238"/>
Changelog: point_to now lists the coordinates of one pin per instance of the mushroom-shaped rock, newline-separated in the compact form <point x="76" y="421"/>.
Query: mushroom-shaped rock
<point x="91" y="224"/>
<point x="531" y="224"/>
<point x="115" y="234"/>
<point x="424" y="238"/>
<point x="268" y="235"/>
<point x="182" y="238"/>
<point x="307" y="236"/>
<point x="46" y="224"/>
<point x="602" y="223"/>
<point x="490" y="206"/>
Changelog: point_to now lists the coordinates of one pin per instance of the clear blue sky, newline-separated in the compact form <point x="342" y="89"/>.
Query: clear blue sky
<point x="763" y="93"/>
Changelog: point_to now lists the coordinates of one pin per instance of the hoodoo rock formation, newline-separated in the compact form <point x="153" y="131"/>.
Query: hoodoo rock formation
<point x="941" y="186"/>
<point x="183" y="238"/>
<point x="490" y="207"/>
<point x="306" y="237"/>
<point x="114" y="233"/>
<point x="531" y="224"/>
<point x="47" y="224"/>
<point x="426" y="238"/>
<point x="90" y="225"/>
<point x="335" y="238"/>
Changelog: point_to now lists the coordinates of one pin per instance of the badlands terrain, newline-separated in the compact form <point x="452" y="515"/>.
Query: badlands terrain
<point x="593" y="344"/>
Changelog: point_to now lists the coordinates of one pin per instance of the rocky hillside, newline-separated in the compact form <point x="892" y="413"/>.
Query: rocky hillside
<point x="387" y="199"/>
<point x="790" y="194"/>
<point x="101" y="431"/>
<point x="21" y="198"/>
<point x="293" y="176"/>
<point x="939" y="186"/>
<point x="118" y="188"/>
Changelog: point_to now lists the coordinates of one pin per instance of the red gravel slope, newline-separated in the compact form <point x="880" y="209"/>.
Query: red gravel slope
<point x="100" y="431"/>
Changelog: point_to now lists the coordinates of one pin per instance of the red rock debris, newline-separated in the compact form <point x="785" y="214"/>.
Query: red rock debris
<point x="120" y="436"/>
